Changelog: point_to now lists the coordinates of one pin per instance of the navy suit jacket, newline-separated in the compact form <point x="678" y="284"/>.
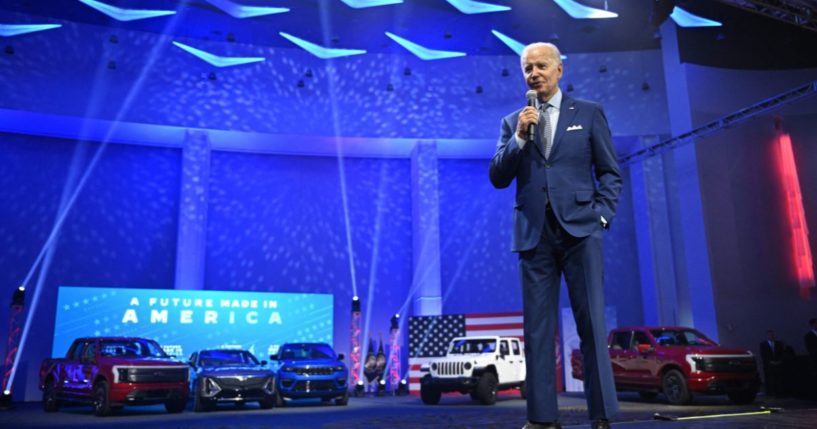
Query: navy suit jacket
<point x="581" y="179"/>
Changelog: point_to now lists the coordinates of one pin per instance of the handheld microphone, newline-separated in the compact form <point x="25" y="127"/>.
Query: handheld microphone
<point x="531" y="96"/>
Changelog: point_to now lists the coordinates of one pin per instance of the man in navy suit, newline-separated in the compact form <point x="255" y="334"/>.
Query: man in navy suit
<point x="567" y="187"/>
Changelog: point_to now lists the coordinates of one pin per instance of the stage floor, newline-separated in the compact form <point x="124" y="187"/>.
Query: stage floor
<point x="408" y="412"/>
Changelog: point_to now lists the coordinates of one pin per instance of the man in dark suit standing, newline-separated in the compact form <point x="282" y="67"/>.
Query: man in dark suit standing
<point x="567" y="187"/>
<point x="771" y="353"/>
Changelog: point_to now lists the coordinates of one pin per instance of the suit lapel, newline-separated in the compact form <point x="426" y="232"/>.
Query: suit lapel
<point x="567" y="111"/>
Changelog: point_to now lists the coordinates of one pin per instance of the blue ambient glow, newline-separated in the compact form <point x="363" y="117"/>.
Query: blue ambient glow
<point x="8" y="30"/>
<point x="320" y="51"/>
<point x="217" y="60"/>
<point x="471" y="7"/>
<point x="515" y="45"/>
<point x="686" y="19"/>
<point x="239" y="11"/>
<point x="360" y="4"/>
<point x="580" y="11"/>
<point x="422" y="52"/>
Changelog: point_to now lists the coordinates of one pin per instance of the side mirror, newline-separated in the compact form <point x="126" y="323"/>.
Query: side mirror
<point x="263" y="363"/>
<point x="645" y="348"/>
<point x="341" y="356"/>
<point x="273" y="357"/>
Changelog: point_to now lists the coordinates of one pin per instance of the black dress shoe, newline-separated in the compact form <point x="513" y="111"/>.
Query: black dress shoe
<point x="531" y="425"/>
<point x="600" y="424"/>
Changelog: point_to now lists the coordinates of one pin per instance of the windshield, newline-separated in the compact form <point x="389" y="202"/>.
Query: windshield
<point x="132" y="348"/>
<point x="306" y="352"/>
<point x="227" y="358"/>
<point x="681" y="337"/>
<point x="473" y="345"/>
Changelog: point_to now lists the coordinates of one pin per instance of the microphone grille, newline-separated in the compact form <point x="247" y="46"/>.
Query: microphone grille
<point x="530" y="95"/>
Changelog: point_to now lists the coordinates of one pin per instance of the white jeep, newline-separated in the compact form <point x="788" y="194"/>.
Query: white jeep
<point x="477" y="365"/>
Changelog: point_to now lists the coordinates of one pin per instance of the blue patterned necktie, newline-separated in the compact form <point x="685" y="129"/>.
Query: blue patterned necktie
<point x="545" y="130"/>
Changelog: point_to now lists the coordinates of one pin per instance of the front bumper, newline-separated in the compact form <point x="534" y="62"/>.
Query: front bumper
<point x="292" y="385"/>
<point x="718" y="384"/>
<point x="449" y="384"/>
<point x="155" y="393"/>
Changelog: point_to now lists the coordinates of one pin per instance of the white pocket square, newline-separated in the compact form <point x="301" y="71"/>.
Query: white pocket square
<point x="574" y="127"/>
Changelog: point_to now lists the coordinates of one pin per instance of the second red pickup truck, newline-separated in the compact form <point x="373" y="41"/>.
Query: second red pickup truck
<point x="110" y="372"/>
<point x="676" y="361"/>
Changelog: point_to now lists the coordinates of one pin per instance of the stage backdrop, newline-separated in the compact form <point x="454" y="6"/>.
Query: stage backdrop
<point x="184" y="321"/>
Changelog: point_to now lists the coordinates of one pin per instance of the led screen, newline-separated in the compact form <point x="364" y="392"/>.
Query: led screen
<point x="184" y="321"/>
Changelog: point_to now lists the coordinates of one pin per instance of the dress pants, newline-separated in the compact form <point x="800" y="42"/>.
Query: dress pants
<point x="580" y="259"/>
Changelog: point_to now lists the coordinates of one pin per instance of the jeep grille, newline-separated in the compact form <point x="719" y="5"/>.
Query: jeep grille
<point x="450" y="368"/>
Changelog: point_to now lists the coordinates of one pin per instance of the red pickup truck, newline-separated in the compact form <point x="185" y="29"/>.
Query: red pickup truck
<point x="109" y="372"/>
<point x="676" y="361"/>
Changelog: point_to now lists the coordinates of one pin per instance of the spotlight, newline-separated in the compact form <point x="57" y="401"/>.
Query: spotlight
<point x="230" y="37"/>
<point x="300" y="84"/>
<point x="111" y="65"/>
<point x="447" y="35"/>
<point x="645" y="86"/>
<point x="212" y="76"/>
<point x="402" y="388"/>
<point x="5" y="400"/>
<point x="18" y="298"/>
<point x="359" y="388"/>
<point x="395" y="321"/>
<point x="603" y="69"/>
<point x="308" y="73"/>
<point x="336" y="40"/>
<point x="355" y="304"/>
<point x="390" y="87"/>
<point x="570" y="87"/>
<point x="113" y="39"/>
<point x="9" y="49"/>
<point x="478" y="90"/>
<point x="407" y="71"/>
<point x="505" y="73"/>
<point x="381" y="386"/>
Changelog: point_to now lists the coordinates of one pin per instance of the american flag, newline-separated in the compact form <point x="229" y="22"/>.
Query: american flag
<point x="429" y="336"/>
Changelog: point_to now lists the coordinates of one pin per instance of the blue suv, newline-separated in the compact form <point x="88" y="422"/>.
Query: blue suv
<point x="310" y="370"/>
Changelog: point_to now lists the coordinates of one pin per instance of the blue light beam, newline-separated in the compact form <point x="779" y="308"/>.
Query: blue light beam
<point x="689" y="20"/>
<point x="361" y="4"/>
<point x="216" y="60"/>
<point x="580" y="11"/>
<point x="515" y="45"/>
<point x="9" y="30"/>
<point x="471" y="7"/>
<point x="422" y="52"/>
<point x="240" y="11"/>
<point x="320" y="51"/>
<point x="121" y="14"/>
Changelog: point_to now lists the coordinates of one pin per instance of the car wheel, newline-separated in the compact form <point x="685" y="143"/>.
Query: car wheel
<point x="102" y="406"/>
<point x="175" y="406"/>
<point x="648" y="395"/>
<point x="486" y="388"/>
<point x="523" y="390"/>
<point x="279" y="400"/>
<point x="675" y="388"/>
<point x="200" y="404"/>
<point x="267" y="403"/>
<point x="50" y="402"/>
<point x="342" y="400"/>
<point x="742" y="396"/>
<point x="430" y="395"/>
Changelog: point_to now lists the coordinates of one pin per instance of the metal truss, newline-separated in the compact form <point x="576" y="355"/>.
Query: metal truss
<point x="802" y="13"/>
<point x="727" y="121"/>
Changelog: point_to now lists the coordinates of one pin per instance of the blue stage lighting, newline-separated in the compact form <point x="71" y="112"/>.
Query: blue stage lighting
<point x="515" y="45"/>
<point x="686" y="19"/>
<point x="239" y="11"/>
<point x="121" y="14"/>
<point x="216" y="60"/>
<point x="580" y="11"/>
<point x="471" y="7"/>
<point x="422" y="52"/>
<point x="360" y="4"/>
<point x="320" y="51"/>
<point x="8" y="30"/>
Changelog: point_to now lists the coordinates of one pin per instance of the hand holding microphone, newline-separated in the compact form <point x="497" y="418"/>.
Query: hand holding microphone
<point x="528" y="120"/>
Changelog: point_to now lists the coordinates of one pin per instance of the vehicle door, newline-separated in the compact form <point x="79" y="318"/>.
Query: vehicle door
<point x="643" y="368"/>
<point x="517" y="361"/>
<point x="71" y="371"/>
<point x="88" y="368"/>
<point x="622" y="356"/>
<point x="505" y="365"/>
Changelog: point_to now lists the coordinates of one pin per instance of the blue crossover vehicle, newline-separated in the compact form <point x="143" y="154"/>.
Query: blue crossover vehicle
<point x="310" y="370"/>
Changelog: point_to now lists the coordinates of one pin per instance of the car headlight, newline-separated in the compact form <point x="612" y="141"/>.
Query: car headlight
<point x="434" y="366"/>
<point x="338" y="368"/>
<point x="209" y="387"/>
<point x="467" y="366"/>
<point x="288" y="369"/>
<point x="123" y="375"/>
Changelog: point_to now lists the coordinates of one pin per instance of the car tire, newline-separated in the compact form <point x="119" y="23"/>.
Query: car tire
<point x="279" y="400"/>
<point x="342" y="400"/>
<point x="430" y="395"/>
<point x="486" y="388"/>
<point x="523" y="390"/>
<point x="102" y="404"/>
<point x="267" y="403"/>
<point x="175" y="406"/>
<point x="200" y="404"/>
<point x="674" y="386"/>
<point x="50" y="402"/>
<point x="648" y="396"/>
<point x="742" y="397"/>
